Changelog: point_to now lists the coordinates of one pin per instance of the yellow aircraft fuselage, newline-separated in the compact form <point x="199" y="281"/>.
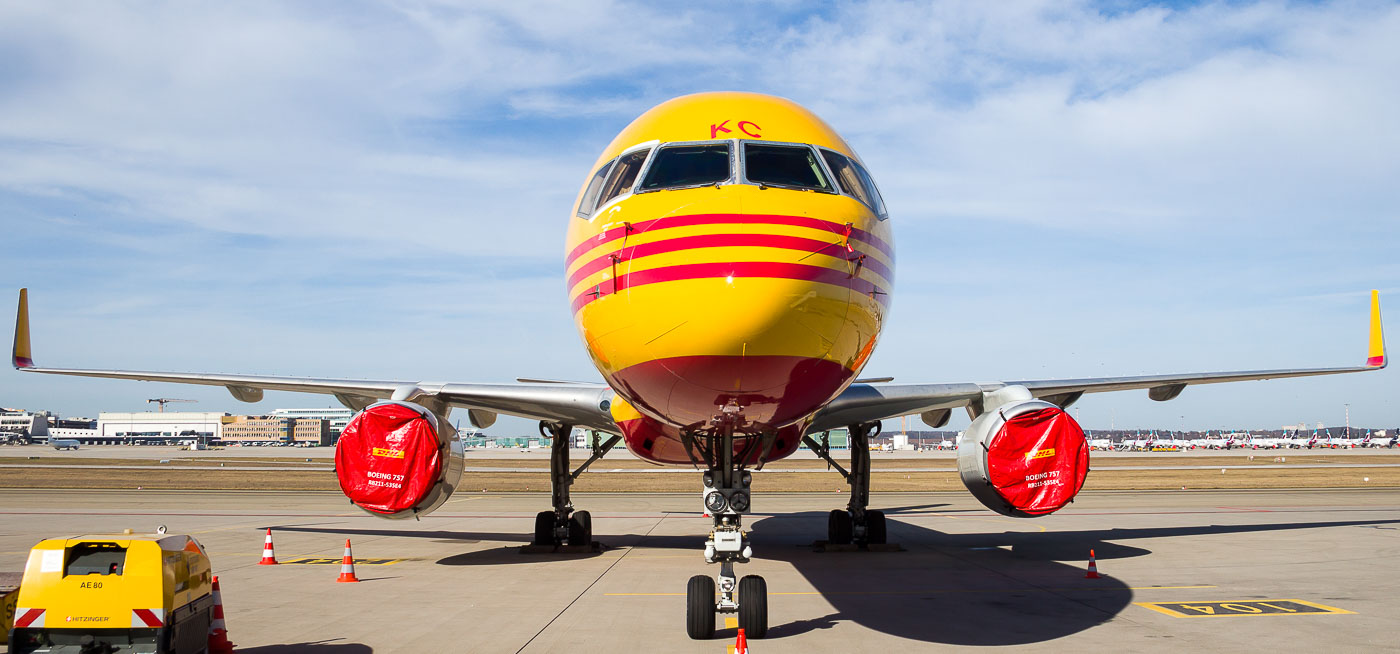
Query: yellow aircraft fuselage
<point x="734" y="305"/>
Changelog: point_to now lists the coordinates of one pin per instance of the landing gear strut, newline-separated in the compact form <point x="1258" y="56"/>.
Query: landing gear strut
<point x="857" y="524"/>
<point x="563" y="525"/>
<point x="726" y="498"/>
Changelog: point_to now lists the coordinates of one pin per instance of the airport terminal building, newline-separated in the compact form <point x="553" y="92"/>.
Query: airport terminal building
<point x="33" y="425"/>
<point x="262" y="430"/>
<point x="180" y="427"/>
<point x="148" y="428"/>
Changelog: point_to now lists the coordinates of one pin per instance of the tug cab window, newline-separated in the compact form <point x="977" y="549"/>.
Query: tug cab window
<point x="855" y="181"/>
<point x="785" y="166"/>
<point x="95" y="559"/>
<point x="623" y="175"/>
<point x="590" y="194"/>
<point x="686" y="166"/>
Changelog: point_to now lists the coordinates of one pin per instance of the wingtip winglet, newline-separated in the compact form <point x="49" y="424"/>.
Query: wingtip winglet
<point x="1375" y="352"/>
<point x="21" y="356"/>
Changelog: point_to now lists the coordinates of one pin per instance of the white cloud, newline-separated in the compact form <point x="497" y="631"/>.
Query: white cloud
<point x="273" y="165"/>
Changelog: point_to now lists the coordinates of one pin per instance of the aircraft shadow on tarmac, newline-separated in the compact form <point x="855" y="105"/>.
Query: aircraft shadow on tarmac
<point x="992" y="588"/>
<point x="319" y="647"/>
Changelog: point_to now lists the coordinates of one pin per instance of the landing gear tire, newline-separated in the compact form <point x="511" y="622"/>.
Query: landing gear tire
<point x="581" y="528"/>
<point x="700" y="608"/>
<point x="838" y="527"/>
<point x="753" y="606"/>
<point x="544" y="528"/>
<point x="875" y="527"/>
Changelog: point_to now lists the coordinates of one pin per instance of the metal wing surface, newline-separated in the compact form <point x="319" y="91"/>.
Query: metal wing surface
<point x="868" y="402"/>
<point x="583" y="405"/>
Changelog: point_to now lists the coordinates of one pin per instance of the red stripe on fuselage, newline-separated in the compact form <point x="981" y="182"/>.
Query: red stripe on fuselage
<point x="727" y="240"/>
<point x="746" y="269"/>
<point x="615" y="233"/>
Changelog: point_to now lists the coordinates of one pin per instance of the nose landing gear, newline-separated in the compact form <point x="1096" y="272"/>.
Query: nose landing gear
<point x="726" y="498"/>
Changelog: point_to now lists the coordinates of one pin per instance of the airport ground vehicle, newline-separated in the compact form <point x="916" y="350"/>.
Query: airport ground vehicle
<point x="147" y="593"/>
<point x="64" y="444"/>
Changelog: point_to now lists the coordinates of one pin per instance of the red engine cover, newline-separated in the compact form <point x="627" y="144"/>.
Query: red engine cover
<point x="388" y="458"/>
<point x="1038" y="460"/>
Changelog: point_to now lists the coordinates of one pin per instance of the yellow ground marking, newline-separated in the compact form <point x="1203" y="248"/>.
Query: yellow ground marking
<point x="338" y="560"/>
<point x="731" y="623"/>
<point x="1242" y="608"/>
<point x="938" y="590"/>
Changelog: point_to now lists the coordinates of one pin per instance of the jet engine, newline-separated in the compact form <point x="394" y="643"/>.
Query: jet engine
<point x="394" y="461"/>
<point x="1024" y="459"/>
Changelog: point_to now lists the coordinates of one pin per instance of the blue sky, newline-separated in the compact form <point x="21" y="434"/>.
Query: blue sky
<point x="380" y="190"/>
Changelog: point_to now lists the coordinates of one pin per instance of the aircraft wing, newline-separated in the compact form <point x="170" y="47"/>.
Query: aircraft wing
<point x="583" y="405"/>
<point x="869" y="402"/>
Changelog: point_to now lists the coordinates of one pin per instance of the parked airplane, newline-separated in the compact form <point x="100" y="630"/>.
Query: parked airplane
<point x="64" y="444"/>
<point x="1224" y="441"/>
<point x="730" y="267"/>
<point x="1380" y="439"/>
<point x="1262" y="442"/>
<point x="1298" y="441"/>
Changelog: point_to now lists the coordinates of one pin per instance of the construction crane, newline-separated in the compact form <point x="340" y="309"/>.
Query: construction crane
<point x="162" y="401"/>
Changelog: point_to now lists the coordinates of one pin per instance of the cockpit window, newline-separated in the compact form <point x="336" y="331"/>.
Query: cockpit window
<point x="683" y="166"/>
<point x="788" y="166"/>
<point x="590" y="194"/>
<point x="623" y="175"/>
<point x="855" y="181"/>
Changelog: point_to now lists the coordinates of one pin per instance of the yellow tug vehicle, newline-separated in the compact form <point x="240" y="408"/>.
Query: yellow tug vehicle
<point x="141" y="593"/>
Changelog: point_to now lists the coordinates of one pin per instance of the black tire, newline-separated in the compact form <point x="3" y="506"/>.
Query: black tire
<point x="544" y="528"/>
<point x="753" y="606"/>
<point x="581" y="528"/>
<point x="838" y="527"/>
<point x="700" y="608"/>
<point x="875" y="527"/>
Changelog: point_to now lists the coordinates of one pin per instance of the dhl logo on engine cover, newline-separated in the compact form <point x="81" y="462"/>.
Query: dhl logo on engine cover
<point x="387" y="453"/>
<point x="1041" y="454"/>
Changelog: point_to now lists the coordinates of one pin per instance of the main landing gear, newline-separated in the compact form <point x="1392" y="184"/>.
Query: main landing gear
<point x="563" y="525"/>
<point x="856" y="525"/>
<point x="726" y="498"/>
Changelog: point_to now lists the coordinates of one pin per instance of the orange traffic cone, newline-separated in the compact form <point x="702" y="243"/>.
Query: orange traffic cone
<point x="1093" y="572"/>
<point x="268" y="557"/>
<point x="741" y="644"/>
<point x="347" y="565"/>
<point x="218" y="633"/>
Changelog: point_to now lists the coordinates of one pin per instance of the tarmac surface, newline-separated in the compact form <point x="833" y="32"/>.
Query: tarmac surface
<point x="1248" y="566"/>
